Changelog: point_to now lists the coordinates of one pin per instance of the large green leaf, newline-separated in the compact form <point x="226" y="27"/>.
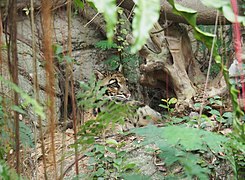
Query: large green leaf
<point x="193" y="139"/>
<point x="189" y="138"/>
<point x="229" y="14"/>
<point x="217" y="4"/>
<point x="146" y="14"/>
<point x="109" y="9"/>
<point x="225" y="7"/>
<point x="177" y="142"/>
<point x="185" y="12"/>
<point x="171" y="155"/>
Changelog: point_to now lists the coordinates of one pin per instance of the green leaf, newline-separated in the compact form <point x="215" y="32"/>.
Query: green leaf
<point x="118" y="161"/>
<point x="146" y="14"/>
<point x="163" y="106"/>
<point x="172" y="101"/>
<point x="229" y="14"/>
<point x="197" y="105"/>
<point x="57" y="49"/>
<point x="26" y="135"/>
<point x="215" y="112"/>
<point x="185" y="12"/>
<point x="112" y="141"/>
<point x="189" y="138"/>
<point x="100" y="148"/>
<point x="129" y="166"/>
<point x="79" y="4"/>
<point x="217" y="4"/>
<point x="121" y="153"/>
<point x="227" y="115"/>
<point x="105" y="45"/>
<point x="68" y="59"/>
<point x="18" y="109"/>
<point x="109" y="9"/>
<point x="112" y="150"/>
<point x="193" y="139"/>
<point x="136" y="177"/>
<point x="100" y="171"/>
<point x="208" y="107"/>
<point x="164" y="100"/>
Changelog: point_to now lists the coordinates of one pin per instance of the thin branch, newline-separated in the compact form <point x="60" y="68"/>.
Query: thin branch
<point x="98" y="14"/>
<point x="209" y="65"/>
<point x="14" y="74"/>
<point x="36" y="93"/>
<point x="49" y="67"/>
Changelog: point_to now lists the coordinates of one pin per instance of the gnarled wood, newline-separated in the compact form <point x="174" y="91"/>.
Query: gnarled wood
<point x="169" y="55"/>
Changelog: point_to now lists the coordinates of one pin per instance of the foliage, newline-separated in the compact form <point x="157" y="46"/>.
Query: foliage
<point x="105" y="45"/>
<point x="168" y="102"/>
<point x="225" y="118"/>
<point x="235" y="153"/>
<point x="110" y="112"/>
<point x="2" y="147"/>
<point x="121" y="31"/>
<point x="177" y="142"/>
<point x="207" y="38"/>
<point x="6" y="173"/>
<point x="130" y="62"/>
<point x="109" y="10"/>
<point x="225" y="7"/>
<point x="136" y="177"/>
<point x="26" y="135"/>
<point x="7" y="128"/>
<point x="190" y="16"/>
<point x="146" y="14"/>
<point x="27" y="99"/>
<point x="60" y="55"/>
<point x="108" y="161"/>
<point x="91" y="94"/>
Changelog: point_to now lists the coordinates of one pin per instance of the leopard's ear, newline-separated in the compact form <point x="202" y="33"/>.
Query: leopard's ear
<point x="98" y="75"/>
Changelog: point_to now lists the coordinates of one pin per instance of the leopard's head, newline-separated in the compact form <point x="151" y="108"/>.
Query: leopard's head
<point x="116" y="84"/>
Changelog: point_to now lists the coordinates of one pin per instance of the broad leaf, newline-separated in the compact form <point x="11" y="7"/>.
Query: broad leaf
<point x="193" y="139"/>
<point x="217" y="4"/>
<point x="188" y="138"/>
<point x="229" y="14"/>
<point x="109" y="9"/>
<point x="189" y="161"/>
<point x="146" y="14"/>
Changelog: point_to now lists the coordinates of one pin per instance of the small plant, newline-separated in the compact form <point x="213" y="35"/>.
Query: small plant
<point x="60" y="55"/>
<point x="6" y="173"/>
<point x="121" y="31"/>
<point x="108" y="161"/>
<point x="168" y="103"/>
<point x="178" y="144"/>
<point x="216" y="100"/>
<point x="105" y="45"/>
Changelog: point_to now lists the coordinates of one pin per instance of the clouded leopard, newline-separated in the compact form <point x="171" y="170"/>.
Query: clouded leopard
<point x="117" y="90"/>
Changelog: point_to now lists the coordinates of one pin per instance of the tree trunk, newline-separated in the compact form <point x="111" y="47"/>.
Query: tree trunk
<point x="206" y="15"/>
<point x="169" y="54"/>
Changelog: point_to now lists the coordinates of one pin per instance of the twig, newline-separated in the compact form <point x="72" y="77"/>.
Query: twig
<point x="209" y="65"/>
